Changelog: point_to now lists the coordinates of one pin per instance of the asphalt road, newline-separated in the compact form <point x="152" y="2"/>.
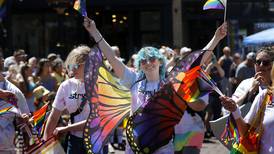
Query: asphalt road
<point x="210" y="146"/>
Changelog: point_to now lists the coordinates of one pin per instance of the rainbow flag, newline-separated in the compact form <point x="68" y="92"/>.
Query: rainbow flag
<point x="215" y="4"/>
<point x="192" y="87"/>
<point x="3" y="8"/>
<point x="42" y="129"/>
<point x="39" y="117"/>
<point x="231" y="133"/>
<point x="5" y="110"/>
<point x="80" y="6"/>
<point x="209" y="81"/>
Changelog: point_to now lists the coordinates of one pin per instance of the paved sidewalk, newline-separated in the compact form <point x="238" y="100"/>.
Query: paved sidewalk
<point x="210" y="146"/>
<point x="213" y="146"/>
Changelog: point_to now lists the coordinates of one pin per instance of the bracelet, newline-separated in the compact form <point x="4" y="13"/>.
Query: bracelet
<point x="99" y="40"/>
<point x="237" y="113"/>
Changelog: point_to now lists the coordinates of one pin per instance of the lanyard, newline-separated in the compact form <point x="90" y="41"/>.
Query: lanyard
<point x="149" y="93"/>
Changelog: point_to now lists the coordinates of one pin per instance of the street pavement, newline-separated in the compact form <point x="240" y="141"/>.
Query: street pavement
<point x="210" y="146"/>
<point x="213" y="146"/>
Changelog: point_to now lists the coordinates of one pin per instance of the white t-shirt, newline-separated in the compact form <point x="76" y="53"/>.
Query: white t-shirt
<point x="69" y="96"/>
<point x="7" y="130"/>
<point x="267" y="140"/>
<point x="137" y="98"/>
<point x="191" y="123"/>
<point x="243" y="88"/>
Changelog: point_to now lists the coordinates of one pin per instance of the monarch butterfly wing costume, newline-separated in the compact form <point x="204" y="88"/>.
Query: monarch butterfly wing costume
<point x="152" y="126"/>
<point x="108" y="100"/>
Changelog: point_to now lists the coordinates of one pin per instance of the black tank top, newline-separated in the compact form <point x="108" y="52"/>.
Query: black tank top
<point x="226" y="66"/>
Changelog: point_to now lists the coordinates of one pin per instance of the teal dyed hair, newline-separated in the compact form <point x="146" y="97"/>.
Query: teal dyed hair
<point x="149" y="52"/>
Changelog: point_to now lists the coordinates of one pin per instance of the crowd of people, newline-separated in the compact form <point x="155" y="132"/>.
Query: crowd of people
<point x="33" y="82"/>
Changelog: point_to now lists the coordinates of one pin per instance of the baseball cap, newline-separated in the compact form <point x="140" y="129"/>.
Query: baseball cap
<point x="251" y="56"/>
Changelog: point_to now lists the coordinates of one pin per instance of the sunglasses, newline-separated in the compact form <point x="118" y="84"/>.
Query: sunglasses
<point x="151" y="60"/>
<point x="73" y="66"/>
<point x="263" y="62"/>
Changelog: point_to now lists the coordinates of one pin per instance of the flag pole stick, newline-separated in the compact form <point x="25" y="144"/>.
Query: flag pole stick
<point x="225" y="15"/>
<point x="225" y="10"/>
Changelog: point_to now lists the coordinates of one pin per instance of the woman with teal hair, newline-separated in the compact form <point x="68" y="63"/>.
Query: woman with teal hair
<point x="151" y="54"/>
<point x="150" y="75"/>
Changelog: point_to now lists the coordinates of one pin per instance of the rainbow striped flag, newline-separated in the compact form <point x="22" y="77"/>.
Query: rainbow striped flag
<point x="39" y="117"/>
<point x="42" y="129"/>
<point x="3" y="8"/>
<point x="231" y="133"/>
<point x="215" y="4"/>
<point x="192" y="87"/>
<point x="80" y="6"/>
<point x="5" y="110"/>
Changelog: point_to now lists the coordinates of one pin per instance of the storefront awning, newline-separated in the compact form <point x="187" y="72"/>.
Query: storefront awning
<point x="262" y="38"/>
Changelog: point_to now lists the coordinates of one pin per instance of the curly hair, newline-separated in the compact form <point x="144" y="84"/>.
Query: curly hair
<point x="268" y="50"/>
<point x="149" y="52"/>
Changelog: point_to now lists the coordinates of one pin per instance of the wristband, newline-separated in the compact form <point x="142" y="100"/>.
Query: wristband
<point x="99" y="40"/>
<point x="237" y="113"/>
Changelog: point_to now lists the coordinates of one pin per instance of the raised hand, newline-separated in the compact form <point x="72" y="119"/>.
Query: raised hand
<point x="90" y="26"/>
<point x="221" y="31"/>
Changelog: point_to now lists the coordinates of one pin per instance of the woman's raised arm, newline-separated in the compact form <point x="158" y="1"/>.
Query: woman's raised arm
<point x="220" y="33"/>
<point x="116" y="64"/>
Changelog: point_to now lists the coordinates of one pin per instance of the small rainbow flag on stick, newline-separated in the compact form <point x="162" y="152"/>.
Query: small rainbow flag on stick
<point x="3" y="8"/>
<point x="215" y="4"/>
<point x="5" y="110"/>
<point x="80" y="6"/>
<point x="39" y="117"/>
<point x="192" y="87"/>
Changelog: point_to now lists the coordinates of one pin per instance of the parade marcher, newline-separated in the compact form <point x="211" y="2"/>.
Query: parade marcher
<point x="189" y="132"/>
<point x="249" y="88"/>
<point x="71" y="97"/>
<point x="7" y="127"/>
<point x="150" y="75"/>
<point x="266" y="135"/>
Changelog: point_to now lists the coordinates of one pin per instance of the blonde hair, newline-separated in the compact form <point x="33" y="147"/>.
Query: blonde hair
<point x="77" y="55"/>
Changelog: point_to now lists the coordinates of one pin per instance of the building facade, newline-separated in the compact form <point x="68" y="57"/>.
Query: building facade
<point x="45" y="26"/>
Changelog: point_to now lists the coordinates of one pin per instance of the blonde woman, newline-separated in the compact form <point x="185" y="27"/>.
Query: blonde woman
<point x="69" y="97"/>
